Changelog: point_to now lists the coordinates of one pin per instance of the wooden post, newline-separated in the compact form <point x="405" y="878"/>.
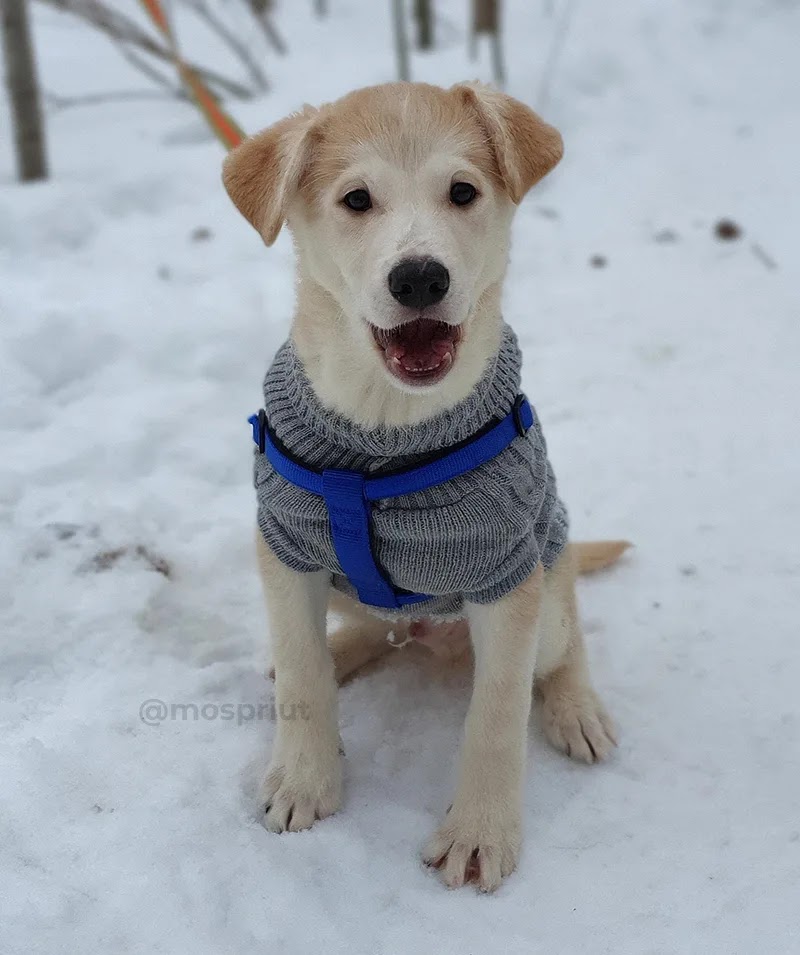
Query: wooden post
<point x="23" y="91"/>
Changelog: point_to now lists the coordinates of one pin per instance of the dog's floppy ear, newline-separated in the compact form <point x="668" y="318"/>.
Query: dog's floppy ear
<point x="262" y="173"/>
<point x="525" y="147"/>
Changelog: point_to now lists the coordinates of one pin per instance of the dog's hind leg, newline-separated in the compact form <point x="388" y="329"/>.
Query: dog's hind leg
<point x="361" y="638"/>
<point x="573" y="718"/>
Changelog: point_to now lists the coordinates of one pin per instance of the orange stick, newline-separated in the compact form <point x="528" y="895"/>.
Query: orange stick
<point x="225" y="128"/>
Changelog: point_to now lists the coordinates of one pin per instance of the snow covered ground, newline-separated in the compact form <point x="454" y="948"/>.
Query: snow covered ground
<point x="131" y="351"/>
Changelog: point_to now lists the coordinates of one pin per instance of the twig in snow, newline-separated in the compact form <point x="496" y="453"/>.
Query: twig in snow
<point x="764" y="257"/>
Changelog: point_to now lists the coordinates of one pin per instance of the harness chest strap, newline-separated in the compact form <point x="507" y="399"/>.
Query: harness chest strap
<point x="349" y="494"/>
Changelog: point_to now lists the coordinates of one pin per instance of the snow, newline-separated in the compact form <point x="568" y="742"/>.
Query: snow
<point x="131" y="355"/>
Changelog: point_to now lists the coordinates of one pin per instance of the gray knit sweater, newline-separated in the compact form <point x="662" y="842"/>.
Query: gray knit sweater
<point x="475" y="537"/>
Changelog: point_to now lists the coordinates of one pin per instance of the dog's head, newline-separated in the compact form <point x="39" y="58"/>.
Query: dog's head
<point x="400" y="199"/>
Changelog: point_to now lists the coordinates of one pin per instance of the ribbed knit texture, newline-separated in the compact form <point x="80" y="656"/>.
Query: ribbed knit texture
<point x="475" y="537"/>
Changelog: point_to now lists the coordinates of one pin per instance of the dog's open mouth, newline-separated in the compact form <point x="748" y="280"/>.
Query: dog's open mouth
<point x="420" y="352"/>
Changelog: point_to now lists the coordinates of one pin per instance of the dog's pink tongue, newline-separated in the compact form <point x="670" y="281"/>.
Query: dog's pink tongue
<point x="418" y="349"/>
<point x="419" y="357"/>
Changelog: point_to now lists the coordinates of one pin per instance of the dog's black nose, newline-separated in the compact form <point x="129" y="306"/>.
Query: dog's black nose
<point x="419" y="282"/>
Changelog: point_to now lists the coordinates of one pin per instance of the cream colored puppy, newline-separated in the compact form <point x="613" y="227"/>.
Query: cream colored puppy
<point x="397" y="173"/>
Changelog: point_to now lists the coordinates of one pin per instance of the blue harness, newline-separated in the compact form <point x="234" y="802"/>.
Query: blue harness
<point x="349" y="494"/>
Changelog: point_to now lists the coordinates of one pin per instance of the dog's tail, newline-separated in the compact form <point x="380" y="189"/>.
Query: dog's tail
<point x="595" y="555"/>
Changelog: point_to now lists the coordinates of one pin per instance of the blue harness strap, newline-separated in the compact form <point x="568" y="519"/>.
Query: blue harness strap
<point x="348" y="494"/>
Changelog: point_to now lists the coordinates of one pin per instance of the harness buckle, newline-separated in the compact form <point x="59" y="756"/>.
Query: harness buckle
<point x="516" y="412"/>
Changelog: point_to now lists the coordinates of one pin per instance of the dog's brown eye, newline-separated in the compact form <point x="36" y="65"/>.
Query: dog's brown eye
<point x="462" y="193"/>
<point x="358" y="200"/>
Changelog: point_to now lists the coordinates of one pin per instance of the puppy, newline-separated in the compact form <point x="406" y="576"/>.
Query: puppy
<point x="400" y="200"/>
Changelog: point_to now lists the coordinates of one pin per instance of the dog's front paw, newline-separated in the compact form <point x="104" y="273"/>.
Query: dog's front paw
<point x="299" y="792"/>
<point x="478" y="844"/>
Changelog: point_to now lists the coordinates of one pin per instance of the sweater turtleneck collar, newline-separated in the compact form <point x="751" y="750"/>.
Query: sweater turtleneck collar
<point x="322" y="437"/>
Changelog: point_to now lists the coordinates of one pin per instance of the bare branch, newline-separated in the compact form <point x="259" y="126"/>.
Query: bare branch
<point x="486" y="20"/>
<point x="119" y="27"/>
<point x="401" y="40"/>
<point x="149" y="71"/>
<point x="270" y="32"/>
<point x="551" y="64"/>
<point x="232" y="41"/>
<point x="92" y="99"/>
<point x="498" y="63"/>
<point x="423" y="14"/>
<point x="485" y="16"/>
